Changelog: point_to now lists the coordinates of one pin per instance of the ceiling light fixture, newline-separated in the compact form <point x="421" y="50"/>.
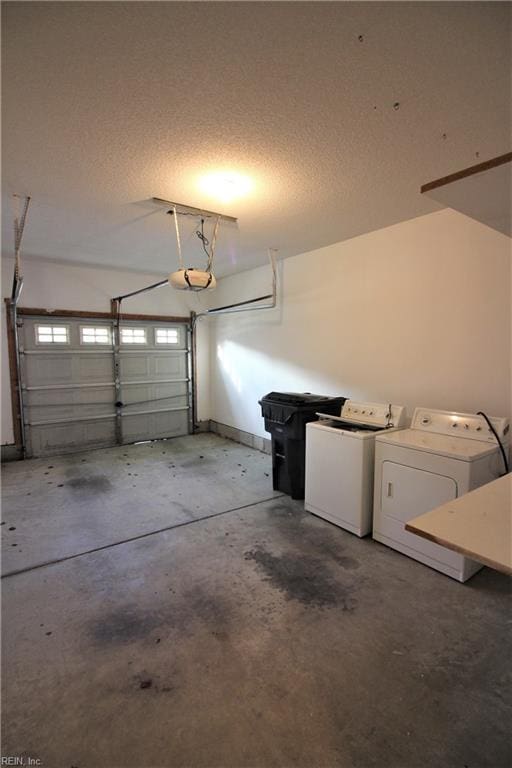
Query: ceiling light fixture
<point x="226" y="186"/>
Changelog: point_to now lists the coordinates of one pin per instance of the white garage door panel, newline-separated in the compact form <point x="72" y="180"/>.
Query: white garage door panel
<point x="69" y="367"/>
<point x="173" y="364"/>
<point x="70" y="436"/>
<point x="69" y="391"/>
<point x="166" y="395"/>
<point x="152" y="365"/>
<point x="154" y="377"/>
<point x="43" y="415"/>
<point x="58" y="404"/>
<point x="159" y="424"/>
<point x="68" y="394"/>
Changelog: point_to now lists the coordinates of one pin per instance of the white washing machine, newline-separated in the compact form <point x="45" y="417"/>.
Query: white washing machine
<point x="442" y="456"/>
<point x="339" y="462"/>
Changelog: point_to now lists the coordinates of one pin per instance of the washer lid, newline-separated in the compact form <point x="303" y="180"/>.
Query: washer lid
<point x="442" y="445"/>
<point x="343" y="428"/>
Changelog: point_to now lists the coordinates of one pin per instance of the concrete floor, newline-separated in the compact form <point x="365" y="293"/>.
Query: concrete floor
<point x="258" y="637"/>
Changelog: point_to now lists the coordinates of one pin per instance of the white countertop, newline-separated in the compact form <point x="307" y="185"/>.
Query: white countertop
<point x="478" y="524"/>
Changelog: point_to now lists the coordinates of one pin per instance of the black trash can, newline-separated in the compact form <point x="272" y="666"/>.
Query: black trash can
<point x="286" y="415"/>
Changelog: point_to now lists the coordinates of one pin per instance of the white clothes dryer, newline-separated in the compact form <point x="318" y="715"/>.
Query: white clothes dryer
<point x="442" y="456"/>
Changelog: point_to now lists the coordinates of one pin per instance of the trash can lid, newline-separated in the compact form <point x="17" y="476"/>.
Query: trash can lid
<point x="294" y="398"/>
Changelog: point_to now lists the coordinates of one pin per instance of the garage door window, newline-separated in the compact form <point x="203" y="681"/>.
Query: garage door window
<point x="166" y="335"/>
<point x="93" y="335"/>
<point x="133" y="336"/>
<point x="52" y="334"/>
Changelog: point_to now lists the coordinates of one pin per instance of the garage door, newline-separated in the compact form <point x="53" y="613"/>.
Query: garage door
<point x="79" y="392"/>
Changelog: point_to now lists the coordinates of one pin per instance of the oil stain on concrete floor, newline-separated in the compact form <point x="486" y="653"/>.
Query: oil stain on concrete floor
<point x="261" y="638"/>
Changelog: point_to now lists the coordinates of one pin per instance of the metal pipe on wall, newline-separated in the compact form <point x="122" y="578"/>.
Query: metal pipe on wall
<point x="191" y="373"/>
<point x="13" y="309"/>
<point x="141" y="290"/>
<point x="17" y="287"/>
<point x="246" y="306"/>
<point x="115" y="308"/>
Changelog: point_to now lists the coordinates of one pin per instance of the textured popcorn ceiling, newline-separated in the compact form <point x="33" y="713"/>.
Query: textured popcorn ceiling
<point x="108" y="104"/>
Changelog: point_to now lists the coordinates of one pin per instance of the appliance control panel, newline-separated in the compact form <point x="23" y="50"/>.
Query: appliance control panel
<point x="375" y="414"/>
<point x="468" y="425"/>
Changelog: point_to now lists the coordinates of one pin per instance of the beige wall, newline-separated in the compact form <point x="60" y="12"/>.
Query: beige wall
<point x="417" y="314"/>
<point x="54" y="286"/>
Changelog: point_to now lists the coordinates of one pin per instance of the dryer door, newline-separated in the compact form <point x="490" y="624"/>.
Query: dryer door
<point x="407" y="492"/>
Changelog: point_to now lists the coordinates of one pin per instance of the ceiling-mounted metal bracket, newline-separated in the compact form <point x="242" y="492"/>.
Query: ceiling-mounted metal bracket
<point x="192" y="209"/>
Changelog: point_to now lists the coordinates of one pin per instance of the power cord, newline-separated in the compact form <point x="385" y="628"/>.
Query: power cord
<point x="204" y="240"/>
<point x="502" y="449"/>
